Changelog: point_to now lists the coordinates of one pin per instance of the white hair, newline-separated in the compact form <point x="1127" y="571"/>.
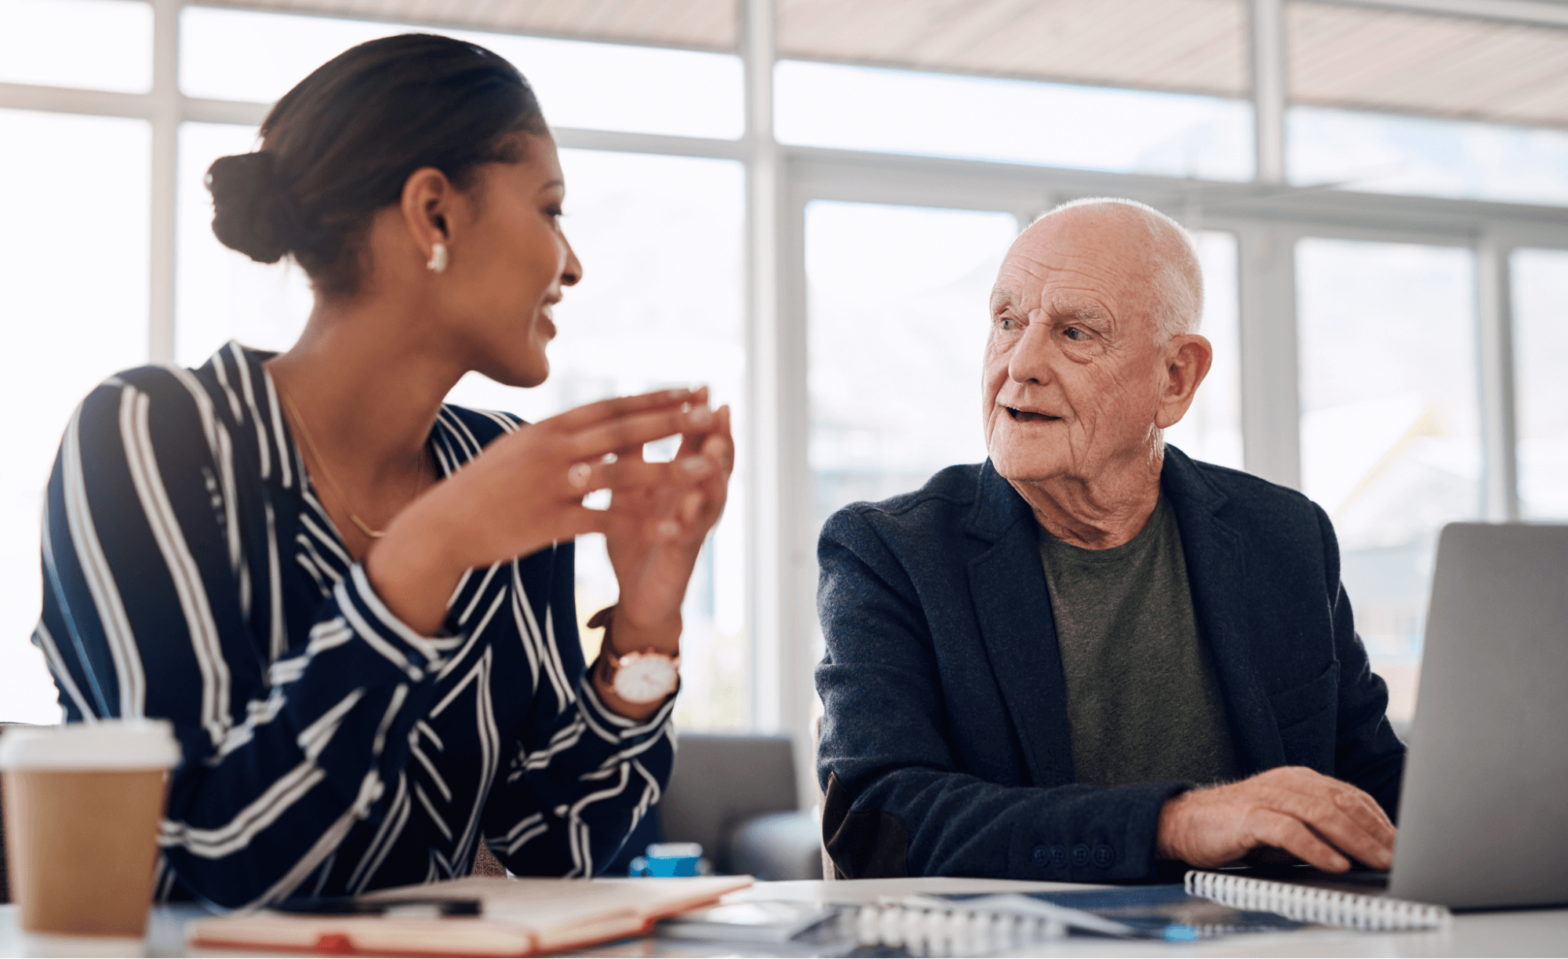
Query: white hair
<point x="1177" y="301"/>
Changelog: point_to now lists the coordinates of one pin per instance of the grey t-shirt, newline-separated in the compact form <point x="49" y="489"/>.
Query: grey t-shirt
<point x="1142" y="700"/>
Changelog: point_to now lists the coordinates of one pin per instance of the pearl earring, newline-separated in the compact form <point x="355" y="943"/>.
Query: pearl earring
<point x="437" y="262"/>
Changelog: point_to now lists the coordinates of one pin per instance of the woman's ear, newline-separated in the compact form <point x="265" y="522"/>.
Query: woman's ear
<point x="428" y="207"/>
<point x="1187" y="362"/>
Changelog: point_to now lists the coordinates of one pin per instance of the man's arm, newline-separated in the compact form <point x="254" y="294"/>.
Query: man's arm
<point x="896" y="800"/>
<point x="1367" y="753"/>
<point x="1319" y="818"/>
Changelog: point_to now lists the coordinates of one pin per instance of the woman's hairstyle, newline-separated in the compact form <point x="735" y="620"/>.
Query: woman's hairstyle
<point x="341" y="144"/>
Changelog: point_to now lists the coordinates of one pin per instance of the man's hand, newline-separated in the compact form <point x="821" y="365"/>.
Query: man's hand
<point x="1305" y="813"/>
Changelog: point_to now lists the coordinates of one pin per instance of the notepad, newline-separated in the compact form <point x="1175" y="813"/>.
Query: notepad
<point x="517" y="917"/>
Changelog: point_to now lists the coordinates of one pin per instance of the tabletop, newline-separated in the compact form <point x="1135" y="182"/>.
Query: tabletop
<point x="1533" y="932"/>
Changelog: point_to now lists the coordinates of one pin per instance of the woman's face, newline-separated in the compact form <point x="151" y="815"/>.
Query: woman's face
<point x="509" y="265"/>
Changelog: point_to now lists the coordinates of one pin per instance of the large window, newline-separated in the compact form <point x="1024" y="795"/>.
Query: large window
<point x="899" y="158"/>
<point x="1390" y="432"/>
<point x="75" y="311"/>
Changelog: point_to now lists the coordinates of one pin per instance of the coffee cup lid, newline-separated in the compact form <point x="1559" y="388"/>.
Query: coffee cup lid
<point x="105" y="744"/>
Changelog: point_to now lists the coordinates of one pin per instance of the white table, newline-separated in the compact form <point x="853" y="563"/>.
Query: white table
<point x="1516" y="933"/>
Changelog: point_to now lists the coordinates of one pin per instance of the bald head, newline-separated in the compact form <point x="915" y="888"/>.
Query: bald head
<point x="1091" y="352"/>
<point x="1159" y="253"/>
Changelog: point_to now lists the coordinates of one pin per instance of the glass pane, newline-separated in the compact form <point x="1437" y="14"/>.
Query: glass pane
<point x="661" y="304"/>
<point x="897" y="300"/>
<point x="92" y="44"/>
<point x="75" y="282"/>
<point x="1126" y="131"/>
<point x="1390" y="432"/>
<point x="1211" y="430"/>
<point x="222" y="295"/>
<point x="1540" y="301"/>
<point x="1376" y="153"/>
<point x="240" y="55"/>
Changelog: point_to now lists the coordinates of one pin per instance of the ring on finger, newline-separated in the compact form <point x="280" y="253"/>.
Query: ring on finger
<point x="577" y="475"/>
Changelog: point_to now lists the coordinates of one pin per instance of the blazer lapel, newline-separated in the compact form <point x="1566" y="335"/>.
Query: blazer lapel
<point x="1216" y="570"/>
<point x="1018" y="629"/>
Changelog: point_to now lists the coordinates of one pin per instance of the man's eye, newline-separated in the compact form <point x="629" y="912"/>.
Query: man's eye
<point x="1074" y="333"/>
<point x="1007" y="323"/>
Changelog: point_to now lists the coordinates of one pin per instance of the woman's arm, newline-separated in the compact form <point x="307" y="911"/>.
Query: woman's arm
<point x="151" y="607"/>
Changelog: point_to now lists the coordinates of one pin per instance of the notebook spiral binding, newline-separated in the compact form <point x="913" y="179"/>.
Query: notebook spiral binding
<point x="922" y="930"/>
<point x="1310" y="904"/>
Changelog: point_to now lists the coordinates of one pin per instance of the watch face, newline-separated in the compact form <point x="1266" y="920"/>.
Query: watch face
<point x="645" y="677"/>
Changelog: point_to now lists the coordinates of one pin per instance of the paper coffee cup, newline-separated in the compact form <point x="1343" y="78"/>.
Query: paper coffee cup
<point x="82" y="807"/>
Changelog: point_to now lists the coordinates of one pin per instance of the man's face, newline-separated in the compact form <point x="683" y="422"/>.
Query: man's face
<point x="1073" y="377"/>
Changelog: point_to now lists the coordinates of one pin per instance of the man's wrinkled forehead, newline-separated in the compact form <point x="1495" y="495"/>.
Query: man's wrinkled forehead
<point x="1076" y="251"/>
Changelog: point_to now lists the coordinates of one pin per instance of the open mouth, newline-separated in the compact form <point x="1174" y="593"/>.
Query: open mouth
<point x="1025" y="416"/>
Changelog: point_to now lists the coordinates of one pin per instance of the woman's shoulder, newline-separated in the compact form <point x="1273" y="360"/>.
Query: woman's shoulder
<point x="477" y="428"/>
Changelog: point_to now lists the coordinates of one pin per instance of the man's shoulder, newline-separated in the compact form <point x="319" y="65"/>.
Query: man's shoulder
<point x="1250" y="504"/>
<point x="942" y="503"/>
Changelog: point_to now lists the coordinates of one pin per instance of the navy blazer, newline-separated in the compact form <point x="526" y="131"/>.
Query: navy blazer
<point x="945" y="745"/>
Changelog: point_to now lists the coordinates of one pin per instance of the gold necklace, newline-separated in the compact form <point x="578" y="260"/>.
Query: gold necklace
<point x="326" y="472"/>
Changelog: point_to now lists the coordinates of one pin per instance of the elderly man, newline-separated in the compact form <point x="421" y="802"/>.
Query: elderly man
<point x="1091" y="653"/>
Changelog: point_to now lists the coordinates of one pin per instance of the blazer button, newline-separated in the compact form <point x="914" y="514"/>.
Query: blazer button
<point x="1059" y="857"/>
<point x="1081" y="855"/>
<point x="1041" y="856"/>
<point x="1104" y="856"/>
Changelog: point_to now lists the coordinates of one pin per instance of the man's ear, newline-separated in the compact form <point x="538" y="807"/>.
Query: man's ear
<point x="429" y="207"/>
<point x="1187" y="362"/>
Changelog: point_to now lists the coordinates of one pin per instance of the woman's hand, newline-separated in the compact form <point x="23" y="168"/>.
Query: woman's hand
<point x="657" y="530"/>
<point x="524" y="492"/>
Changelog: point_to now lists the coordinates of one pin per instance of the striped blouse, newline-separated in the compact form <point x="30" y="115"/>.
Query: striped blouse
<point x="190" y="573"/>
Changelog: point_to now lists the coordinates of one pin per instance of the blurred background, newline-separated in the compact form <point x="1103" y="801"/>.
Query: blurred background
<point x="803" y="203"/>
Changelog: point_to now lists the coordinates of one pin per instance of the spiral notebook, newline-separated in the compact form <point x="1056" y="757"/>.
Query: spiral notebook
<point x="1205" y="906"/>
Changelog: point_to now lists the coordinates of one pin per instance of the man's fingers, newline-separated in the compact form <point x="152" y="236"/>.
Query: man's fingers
<point x="1288" y="833"/>
<point x="1367" y="814"/>
<point x="1349" y="825"/>
<point x="621" y="406"/>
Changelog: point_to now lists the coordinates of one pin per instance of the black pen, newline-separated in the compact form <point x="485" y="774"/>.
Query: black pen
<point x="351" y="906"/>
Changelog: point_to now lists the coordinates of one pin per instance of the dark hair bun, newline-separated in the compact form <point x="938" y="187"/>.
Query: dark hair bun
<point x="253" y="212"/>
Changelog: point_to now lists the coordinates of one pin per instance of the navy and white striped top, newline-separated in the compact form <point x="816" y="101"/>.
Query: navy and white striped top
<point x="190" y="573"/>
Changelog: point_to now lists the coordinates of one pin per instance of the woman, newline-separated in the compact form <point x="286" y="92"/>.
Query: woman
<point x="307" y="564"/>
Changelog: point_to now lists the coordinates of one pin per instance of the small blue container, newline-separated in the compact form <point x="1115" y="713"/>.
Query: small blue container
<point x="668" y="859"/>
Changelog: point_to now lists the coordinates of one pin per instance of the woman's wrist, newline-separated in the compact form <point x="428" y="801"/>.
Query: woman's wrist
<point x="622" y="636"/>
<point x="413" y="574"/>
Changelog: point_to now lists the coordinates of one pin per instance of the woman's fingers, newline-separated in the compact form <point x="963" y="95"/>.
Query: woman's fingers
<point x="633" y="430"/>
<point x="625" y="473"/>
<point x="622" y="406"/>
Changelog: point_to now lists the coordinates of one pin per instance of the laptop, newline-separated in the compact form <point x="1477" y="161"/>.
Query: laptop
<point x="1483" y="812"/>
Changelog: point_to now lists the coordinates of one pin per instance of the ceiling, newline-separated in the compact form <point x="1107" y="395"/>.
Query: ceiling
<point x="1337" y="55"/>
